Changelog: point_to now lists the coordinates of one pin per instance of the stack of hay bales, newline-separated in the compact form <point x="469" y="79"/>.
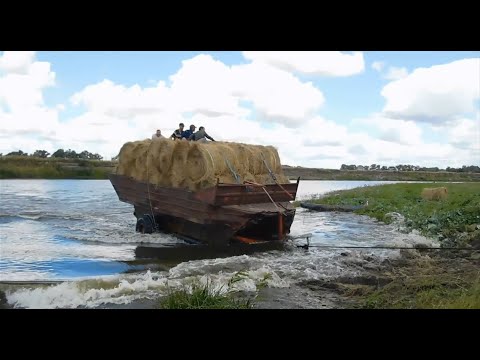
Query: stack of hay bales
<point x="436" y="194"/>
<point x="194" y="166"/>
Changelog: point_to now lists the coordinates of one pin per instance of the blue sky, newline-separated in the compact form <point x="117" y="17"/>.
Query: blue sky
<point x="320" y="109"/>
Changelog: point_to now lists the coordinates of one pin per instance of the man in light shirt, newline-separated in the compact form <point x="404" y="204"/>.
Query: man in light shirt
<point x="158" y="135"/>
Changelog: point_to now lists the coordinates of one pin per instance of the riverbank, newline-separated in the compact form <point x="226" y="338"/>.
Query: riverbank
<point x="454" y="220"/>
<point x="425" y="278"/>
<point x="419" y="279"/>
<point x="332" y="174"/>
<point x="25" y="167"/>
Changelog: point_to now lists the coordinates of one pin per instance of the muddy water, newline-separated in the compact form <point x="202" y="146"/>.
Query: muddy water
<point x="68" y="244"/>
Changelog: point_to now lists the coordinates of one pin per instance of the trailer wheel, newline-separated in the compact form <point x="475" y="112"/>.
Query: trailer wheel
<point x="144" y="225"/>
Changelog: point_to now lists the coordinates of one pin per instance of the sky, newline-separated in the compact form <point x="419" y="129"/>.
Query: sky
<point x="319" y="109"/>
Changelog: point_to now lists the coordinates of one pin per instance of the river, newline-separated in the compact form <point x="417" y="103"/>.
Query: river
<point x="71" y="243"/>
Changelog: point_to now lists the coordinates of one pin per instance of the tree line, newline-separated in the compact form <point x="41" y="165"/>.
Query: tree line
<point x="60" y="153"/>
<point x="376" y="167"/>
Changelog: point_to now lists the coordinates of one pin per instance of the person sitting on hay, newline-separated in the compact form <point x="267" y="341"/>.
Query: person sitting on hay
<point x="200" y="135"/>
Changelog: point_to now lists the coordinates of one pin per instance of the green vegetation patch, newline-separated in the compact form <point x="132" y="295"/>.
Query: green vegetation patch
<point x="449" y="218"/>
<point x="26" y="167"/>
<point x="203" y="297"/>
<point x="431" y="289"/>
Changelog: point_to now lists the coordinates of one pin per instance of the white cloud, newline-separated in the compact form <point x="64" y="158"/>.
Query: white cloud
<point x="16" y="62"/>
<point x="258" y="103"/>
<point x="324" y="63"/>
<point x="396" y="73"/>
<point x="20" y="91"/>
<point x="465" y="134"/>
<point x="276" y="94"/>
<point x="322" y="132"/>
<point x="378" y="65"/>
<point x="393" y="130"/>
<point x="206" y="86"/>
<point x="119" y="101"/>
<point x="392" y="73"/>
<point x="23" y="112"/>
<point x="436" y="94"/>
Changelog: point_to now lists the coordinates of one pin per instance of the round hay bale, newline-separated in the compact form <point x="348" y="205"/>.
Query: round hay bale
<point x="179" y="162"/>
<point x="153" y="155"/>
<point x="198" y="167"/>
<point x="141" y="166"/>
<point x="244" y="155"/>
<point x="227" y="179"/>
<point x="126" y="159"/>
<point x="164" y="155"/>
<point x="249" y="177"/>
<point x="256" y="164"/>
<point x="271" y="155"/>
<point x="217" y="153"/>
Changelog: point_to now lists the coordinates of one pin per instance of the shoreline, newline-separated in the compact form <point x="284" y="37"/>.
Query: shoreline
<point x="19" y="167"/>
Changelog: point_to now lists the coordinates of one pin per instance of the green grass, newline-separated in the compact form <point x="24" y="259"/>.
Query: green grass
<point x="203" y="297"/>
<point x="445" y="218"/>
<point x="431" y="292"/>
<point x="206" y="296"/>
<point x="24" y="167"/>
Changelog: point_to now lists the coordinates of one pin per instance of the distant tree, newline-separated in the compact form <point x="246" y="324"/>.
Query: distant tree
<point x="115" y="158"/>
<point x="85" y="155"/>
<point x="17" y="153"/>
<point x="343" y="167"/>
<point x="430" y="169"/>
<point x="471" y="168"/>
<point x="71" y="154"/>
<point x="41" y="153"/>
<point x="60" y="153"/>
<point x="384" y="168"/>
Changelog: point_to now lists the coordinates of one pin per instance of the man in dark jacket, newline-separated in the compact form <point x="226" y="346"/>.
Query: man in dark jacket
<point x="200" y="135"/>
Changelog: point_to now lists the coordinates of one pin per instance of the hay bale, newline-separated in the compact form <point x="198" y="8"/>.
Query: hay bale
<point x="125" y="158"/>
<point x="439" y="193"/>
<point x="179" y="163"/>
<point x="195" y="166"/>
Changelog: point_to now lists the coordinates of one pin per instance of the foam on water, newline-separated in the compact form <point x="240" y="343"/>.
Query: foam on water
<point x="127" y="288"/>
<point x="272" y="270"/>
<point x="86" y="223"/>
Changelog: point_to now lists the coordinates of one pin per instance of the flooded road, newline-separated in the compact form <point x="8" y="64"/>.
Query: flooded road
<point x="79" y="234"/>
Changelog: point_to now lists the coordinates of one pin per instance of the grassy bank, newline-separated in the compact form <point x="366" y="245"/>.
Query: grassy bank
<point x="454" y="219"/>
<point x="26" y="167"/>
<point x="443" y="278"/>
<point x="428" y="290"/>
<point x="22" y="167"/>
<point x="331" y="174"/>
